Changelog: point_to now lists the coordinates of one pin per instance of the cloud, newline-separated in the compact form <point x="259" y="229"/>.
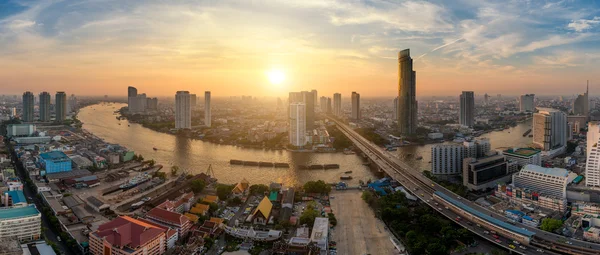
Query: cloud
<point x="583" y="24"/>
<point x="20" y="24"/>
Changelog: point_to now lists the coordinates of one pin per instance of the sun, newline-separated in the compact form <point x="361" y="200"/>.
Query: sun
<point x="276" y="76"/>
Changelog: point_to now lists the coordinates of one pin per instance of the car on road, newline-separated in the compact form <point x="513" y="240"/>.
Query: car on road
<point x="457" y="218"/>
<point x="498" y="241"/>
<point x="446" y="207"/>
<point x="523" y="247"/>
<point x="516" y="242"/>
<point x="540" y="250"/>
<point x="486" y="232"/>
<point x="58" y="238"/>
<point x="495" y="236"/>
<point x="512" y="246"/>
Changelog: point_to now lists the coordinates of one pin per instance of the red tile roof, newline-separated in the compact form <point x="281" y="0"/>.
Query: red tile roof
<point x="126" y="231"/>
<point x="167" y="216"/>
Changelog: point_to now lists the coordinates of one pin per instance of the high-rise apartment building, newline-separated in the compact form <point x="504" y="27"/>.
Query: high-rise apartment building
<point x="72" y="104"/>
<point x="407" y="102"/>
<point x="193" y="100"/>
<point x="527" y="103"/>
<point x="131" y="94"/>
<point x="467" y="108"/>
<point x="337" y="104"/>
<point x="323" y="104"/>
<point x="60" y="106"/>
<point x="309" y="102"/>
<point x="581" y="105"/>
<point x="592" y="167"/>
<point x="315" y="98"/>
<point x="549" y="129"/>
<point x="28" y="102"/>
<point x="207" y="112"/>
<point x="547" y="181"/>
<point x="477" y="148"/>
<point x="329" y="109"/>
<point x="395" y="114"/>
<point x="183" y="110"/>
<point x="447" y="159"/>
<point x="355" y="114"/>
<point x="45" y="107"/>
<point x="297" y="120"/>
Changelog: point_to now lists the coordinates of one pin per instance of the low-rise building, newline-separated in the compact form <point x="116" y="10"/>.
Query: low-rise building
<point x="170" y="219"/>
<point x="262" y="212"/>
<point x="125" y="235"/>
<point x="320" y="234"/>
<point x="55" y="162"/>
<point x="24" y="223"/>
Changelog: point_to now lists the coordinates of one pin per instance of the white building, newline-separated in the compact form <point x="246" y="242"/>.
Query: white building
<point x="526" y="103"/>
<point x="550" y="129"/>
<point x="20" y="130"/>
<point x="23" y="223"/>
<point x="207" y="113"/>
<point x="477" y="149"/>
<point x="297" y="120"/>
<point x="523" y="156"/>
<point x="320" y="233"/>
<point x="592" y="168"/>
<point x="183" y="110"/>
<point x="447" y="158"/>
<point x="547" y="181"/>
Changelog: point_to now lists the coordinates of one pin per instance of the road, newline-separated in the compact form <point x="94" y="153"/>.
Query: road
<point x="424" y="188"/>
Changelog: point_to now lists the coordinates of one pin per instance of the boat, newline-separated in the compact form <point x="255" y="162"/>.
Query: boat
<point x="137" y="180"/>
<point x="346" y="177"/>
<point x="348" y="172"/>
<point x="154" y="148"/>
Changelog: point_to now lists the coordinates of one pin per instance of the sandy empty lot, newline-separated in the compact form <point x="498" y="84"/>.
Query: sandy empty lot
<point x="358" y="231"/>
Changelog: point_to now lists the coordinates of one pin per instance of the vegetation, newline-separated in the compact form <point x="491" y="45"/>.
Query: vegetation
<point x="223" y="191"/>
<point x="197" y="185"/>
<point x="340" y="141"/>
<point x="551" y="225"/>
<point x="174" y="170"/>
<point x="161" y="175"/>
<point x="317" y="187"/>
<point x="151" y="163"/>
<point x="234" y="201"/>
<point x="369" y="134"/>
<point x="258" y="189"/>
<point x="332" y="219"/>
<point x="309" y="215"/>
<point x="459" y="189"/>
<point x="138" y="158"/>
<point x="422" y="229"/>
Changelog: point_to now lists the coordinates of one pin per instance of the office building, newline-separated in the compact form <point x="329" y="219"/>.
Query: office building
<point x="527" y="103"/>
<point x="183" y="110"/>
<point x="297" y="121"/>
<point x="547" y="181"/>
<point x="309" y="102"/>
<point x="20" y="130"/>
<point x="549" y="129"/>
<point x="207" y="112"/>
<point x="486" y="172"/>
<point x="23" y="223"/>
<point x="56" y="162"/>
<point x="45" y="107"/>
<point x="60" y="106"/>
<point x="523" y="156"/>
<point x="467" y="108"/>
<point x="407" y="89"/>
<point x="323" y="104"/>
<point x="395" y="111"/>
<point x="193" y="101"/>
<point x="28" y="102"/>
<point x="125" y="235"/>
<point x="337" y="104"/>
<point x="592" y="167"/>
<point x="581" y="105"/>
<point x="447" y="159"/>
<point x="355" y="115"/>
<point x="530" y="198"/>
<point x="329" y="109"/>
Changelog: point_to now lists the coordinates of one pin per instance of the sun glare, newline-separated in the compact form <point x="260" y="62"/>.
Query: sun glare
<point x="276" y="76"/>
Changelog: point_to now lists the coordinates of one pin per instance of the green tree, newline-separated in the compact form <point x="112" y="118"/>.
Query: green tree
<point x="161" y="175"/>
<point x="551" y="225"/>
<point x="151" y="163"/>
<point x="234" y="201"/>
<point x="436" y="248"/>
<point x="317" y="187"/>
<point x="197" y="186"/>
<point x="258" y="189"/>
<point x="223" y="191"/>
<point x="308" y="217"/>
<point x="332" y="219"/>
<point x="212" y="208"/>
<point x="174" y="170"/>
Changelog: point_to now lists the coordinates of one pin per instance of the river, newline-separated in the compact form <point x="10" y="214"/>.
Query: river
<point x="195" y="156"/>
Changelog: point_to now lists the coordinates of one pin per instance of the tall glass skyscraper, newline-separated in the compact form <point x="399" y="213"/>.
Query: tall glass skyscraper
<point x="407" y="102"/>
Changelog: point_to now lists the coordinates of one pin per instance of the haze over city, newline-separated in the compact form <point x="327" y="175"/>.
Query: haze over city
<point x="272" y="47"/>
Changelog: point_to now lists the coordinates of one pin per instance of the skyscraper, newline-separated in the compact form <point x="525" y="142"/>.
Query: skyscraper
<point x="72" y="103"/>
<point x="581" y="105"/>
<point x="315" y="98"/>
<point x="329" y="105"/>
<point x="337" y="104"/>
<point x="395" y="115"/>
<point x="407" y="102"/>
<point x="183" y="110"/>
<point x="131" y="94"/>
<point x="193" y="100"/>
<point x="207" y="113"/>
<point x="309" y="102"/>
<point x="592" y="168"/>
<point x="323" y="104"/>
<point x="486" y="99"/>
<point x="27" y="107"/>
<point x="467" y="108"/>
<point x="549" y="129"/>
<point x="45" y="106"/>
<point x="60" y="106"/>
<point x="297" y="121"/>
<point x="526" y="103"/>
<point x="355" y="106"/>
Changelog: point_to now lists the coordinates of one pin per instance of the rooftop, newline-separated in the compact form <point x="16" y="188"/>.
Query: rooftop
<point x="558" y="172"/>
<point x="126" y="231"/>
<point x="54" y="155"/>
<point x="526" y="152"/>
<point x="264" y="208"/>
<point x="542" y="109"/>
<point x="18" y="212"/>
<point x="17" y="196"/>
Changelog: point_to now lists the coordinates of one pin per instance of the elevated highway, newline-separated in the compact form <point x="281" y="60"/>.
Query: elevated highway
<point x="465" y="212"/>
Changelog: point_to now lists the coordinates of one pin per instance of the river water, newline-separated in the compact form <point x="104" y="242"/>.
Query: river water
<point x="195" y="156"/>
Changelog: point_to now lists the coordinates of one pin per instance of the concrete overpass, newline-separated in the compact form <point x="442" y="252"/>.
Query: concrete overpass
<point x="436" y="196"/>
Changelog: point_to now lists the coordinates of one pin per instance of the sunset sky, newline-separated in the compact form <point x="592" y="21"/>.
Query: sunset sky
<point x="90" y="47"/>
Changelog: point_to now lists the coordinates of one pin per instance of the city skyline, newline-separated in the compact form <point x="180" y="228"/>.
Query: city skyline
<point x="508" y="48"/>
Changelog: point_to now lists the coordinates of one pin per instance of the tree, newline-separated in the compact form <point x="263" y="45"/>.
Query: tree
<point x="223" y="191"/>
<point x="308" y="217"/>
<point x="258" y="189"/>
<point x="151" y="163"/>
<point x="140" y="158"/>
<point x="213" y="207"/>
<point x="161" y="175"/>
<point x="234" y="201"/>
<point x="332" y="219"/>
<point x="174" y="170"/>
<point x="197" y="186"/>
<point x="317" y="187"/>
<point x="436" y="248"/>
<point x="551" y="225"/>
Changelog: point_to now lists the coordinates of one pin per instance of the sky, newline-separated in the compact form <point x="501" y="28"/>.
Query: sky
<point x="97" y="47"/>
